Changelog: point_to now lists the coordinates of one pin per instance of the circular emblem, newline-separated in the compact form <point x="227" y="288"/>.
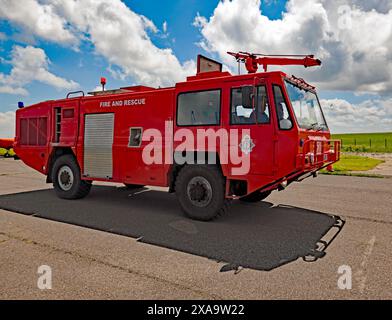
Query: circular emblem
<point x="246" y="144"/>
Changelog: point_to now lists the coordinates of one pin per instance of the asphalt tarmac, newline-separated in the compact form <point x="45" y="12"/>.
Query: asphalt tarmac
<point x="118" y="243"/>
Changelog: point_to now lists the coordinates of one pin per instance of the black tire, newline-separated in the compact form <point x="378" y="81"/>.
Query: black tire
<point x="212" y="202"/>
<point x="255" y="196"/>
<point x="77" y="188"/>
<point x="133" y="186"/>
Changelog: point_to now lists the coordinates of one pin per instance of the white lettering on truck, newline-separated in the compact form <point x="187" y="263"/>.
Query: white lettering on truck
<point x="120" y="103"/>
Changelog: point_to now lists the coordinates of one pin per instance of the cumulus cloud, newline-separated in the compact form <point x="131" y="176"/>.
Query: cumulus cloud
<point x="117" y="33"/>
<point x="38" y="19"/>
<point x="121" y="36"/>
<point x="354" y="42"/>
<point x="382" y="6"/>
<point x="7" y="124"/>
<point x="368" y="116"/>
<point x="30" y="64"/>
<point x="164" y="27"/>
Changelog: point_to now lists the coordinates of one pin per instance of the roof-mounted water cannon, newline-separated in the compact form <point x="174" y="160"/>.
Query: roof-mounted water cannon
<point x="253" y="60"/>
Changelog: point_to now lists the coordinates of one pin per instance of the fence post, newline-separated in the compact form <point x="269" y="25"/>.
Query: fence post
<point x="355" y="142"/>
<point x="370" y="143"/>
<point x="386" y="143"/>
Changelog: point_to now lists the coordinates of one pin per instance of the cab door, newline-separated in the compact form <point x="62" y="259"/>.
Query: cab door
<point x="286" y="146"/>
<point x="255" y="117"/>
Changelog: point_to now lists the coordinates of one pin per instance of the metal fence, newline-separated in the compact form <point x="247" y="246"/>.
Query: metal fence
<point x="366" y="145"/>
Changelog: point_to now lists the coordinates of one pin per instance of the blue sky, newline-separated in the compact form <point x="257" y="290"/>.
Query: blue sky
<point x="83" y="60"/>
<point x="86" y="67"/>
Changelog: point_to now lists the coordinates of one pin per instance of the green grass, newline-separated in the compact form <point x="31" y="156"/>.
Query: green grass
<point x="352" y="174"/>
<point x="356" y="163"/>
<point x="365" y="142"/>
<point x="349" y="165"/>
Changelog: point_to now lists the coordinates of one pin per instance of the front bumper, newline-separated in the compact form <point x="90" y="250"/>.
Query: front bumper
<point x="318" y="154"/>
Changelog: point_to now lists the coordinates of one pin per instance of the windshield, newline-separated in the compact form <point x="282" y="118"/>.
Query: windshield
<point x="306" y="107"/>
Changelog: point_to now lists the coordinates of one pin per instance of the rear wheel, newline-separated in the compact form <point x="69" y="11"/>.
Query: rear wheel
<point x="67" y="180"/>
<point x="200" y="190"/>
<point x="255" y="196"/>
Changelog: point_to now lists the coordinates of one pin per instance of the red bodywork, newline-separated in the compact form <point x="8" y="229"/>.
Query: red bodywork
<point x="278" y="156"/>
<point x="6" y="143"/>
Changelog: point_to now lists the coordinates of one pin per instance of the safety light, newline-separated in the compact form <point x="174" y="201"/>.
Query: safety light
<point x="103" y="82"/>
<point x="20" y="105"/>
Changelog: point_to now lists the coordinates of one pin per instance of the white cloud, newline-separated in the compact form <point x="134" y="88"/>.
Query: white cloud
<point x="12" y="90"/>
<point x="38" y="19"/>
<point x="354" y="42"/>
<point x="120" y="35"/>
<point x="382" y="6"/>
<point x="164" y="27"/>
<point x="117" y="33"/>
<point x="7" y="124"/>
<point x="30" y="64"/>
<point x="368" y="116"/>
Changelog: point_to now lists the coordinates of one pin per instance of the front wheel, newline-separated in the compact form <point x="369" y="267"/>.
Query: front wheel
<point x="200" y="190"/>
<point x="67" y="180"/>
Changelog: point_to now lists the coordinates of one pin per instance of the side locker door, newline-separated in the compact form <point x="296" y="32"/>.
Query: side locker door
<point x="98" y="145"/>
<point x="65" y="123"/>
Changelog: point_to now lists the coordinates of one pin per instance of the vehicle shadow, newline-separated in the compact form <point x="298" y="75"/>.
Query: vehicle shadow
<point x="257" y="236"/>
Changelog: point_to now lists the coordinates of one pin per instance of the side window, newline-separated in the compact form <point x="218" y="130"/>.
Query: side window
<point x="199" y="108"/>
<point x="263" y="114"/>
<point x="135" y="137"/>
<point x="245" y="114"/>
<point x="284" y="119"/>
<point x="240" y="114"/>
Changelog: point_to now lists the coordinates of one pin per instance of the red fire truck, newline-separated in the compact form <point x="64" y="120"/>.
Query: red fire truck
<point x="136" y="136"/>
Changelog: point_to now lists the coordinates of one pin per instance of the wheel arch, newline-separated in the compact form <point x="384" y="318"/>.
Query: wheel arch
<point x="56" y="153"/>
<point x="192" y="158"/>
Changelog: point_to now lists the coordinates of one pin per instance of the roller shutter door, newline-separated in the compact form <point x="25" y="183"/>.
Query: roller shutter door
<point x="98" y="143"/>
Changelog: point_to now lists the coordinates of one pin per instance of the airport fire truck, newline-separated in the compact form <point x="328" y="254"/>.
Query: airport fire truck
<point x="210" y="139"/>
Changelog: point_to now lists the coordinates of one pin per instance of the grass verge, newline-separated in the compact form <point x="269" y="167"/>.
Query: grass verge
<point x="350" y="165"/>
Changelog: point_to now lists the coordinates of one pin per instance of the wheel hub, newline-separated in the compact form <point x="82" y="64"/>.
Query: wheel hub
<point x="199" y="191"/>
<point x="65" y="178"/>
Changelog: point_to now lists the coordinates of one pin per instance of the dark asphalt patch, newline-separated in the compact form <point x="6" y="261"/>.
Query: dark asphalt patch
<point x="257" y="236"/>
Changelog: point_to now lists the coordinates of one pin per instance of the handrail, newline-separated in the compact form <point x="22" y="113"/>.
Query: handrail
<point x="74" y="92"/>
